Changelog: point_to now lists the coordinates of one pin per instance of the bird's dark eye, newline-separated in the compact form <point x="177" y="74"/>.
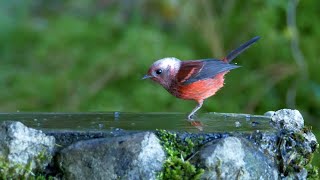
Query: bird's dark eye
<point x="158" y="71"/>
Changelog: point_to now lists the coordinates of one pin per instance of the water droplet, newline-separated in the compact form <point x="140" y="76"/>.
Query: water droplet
<point x="18" y="110"/>
<point x="237" y="124"/>
<point x="35" y="119"/>
<point x="38" y="124"/>
<point x="101" y="126"/>
<point x="116" y="115"/>
<point x="248" y="117"/>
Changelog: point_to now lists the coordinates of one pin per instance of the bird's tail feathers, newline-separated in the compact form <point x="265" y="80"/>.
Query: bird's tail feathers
<point x="233" y="54"/>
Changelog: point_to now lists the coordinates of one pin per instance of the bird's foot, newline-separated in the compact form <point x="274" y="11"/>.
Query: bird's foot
<point x="191" y="117"/>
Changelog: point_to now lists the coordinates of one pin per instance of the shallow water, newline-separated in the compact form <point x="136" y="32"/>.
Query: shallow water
<point x="211" y="122"/>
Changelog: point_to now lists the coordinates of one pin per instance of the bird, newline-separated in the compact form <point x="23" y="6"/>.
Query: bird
<point x="194" y="80"/>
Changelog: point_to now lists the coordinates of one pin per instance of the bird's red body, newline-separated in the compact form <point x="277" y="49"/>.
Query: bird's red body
<point x="198" y="90"/>
<point x="194" y="80"/>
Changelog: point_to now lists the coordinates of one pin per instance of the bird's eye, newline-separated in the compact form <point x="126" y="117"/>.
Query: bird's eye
<point x="158" y="71"/>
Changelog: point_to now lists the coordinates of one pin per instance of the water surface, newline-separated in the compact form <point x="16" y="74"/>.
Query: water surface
<point x="211" y="122"/>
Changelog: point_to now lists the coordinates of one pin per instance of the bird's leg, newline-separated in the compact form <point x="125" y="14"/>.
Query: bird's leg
<point x="195" y="110"/>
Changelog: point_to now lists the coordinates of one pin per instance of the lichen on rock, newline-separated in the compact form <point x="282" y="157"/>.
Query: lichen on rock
<point x="288" y="119"/>
<point x="296" y="145"/>
<point x="296" y="150"/>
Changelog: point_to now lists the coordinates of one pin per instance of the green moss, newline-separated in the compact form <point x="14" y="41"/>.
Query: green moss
<point x="313" y="172"/>
<point x="42" y="158"/>
<point x="177" y="168"/>
<point x="14" y="171"/>
<point x="296" y="153"/>
<point x="179" y="151"/>
<point x="19" y="171"/>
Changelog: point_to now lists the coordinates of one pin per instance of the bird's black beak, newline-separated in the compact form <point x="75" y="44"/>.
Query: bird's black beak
<point x="147" y="76"/>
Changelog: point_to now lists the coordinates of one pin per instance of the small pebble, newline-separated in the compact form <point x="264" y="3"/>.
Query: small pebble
<point x="237" y="124"/>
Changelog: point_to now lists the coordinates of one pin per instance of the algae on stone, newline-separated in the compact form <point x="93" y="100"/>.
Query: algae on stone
<point x="179" y="151"/>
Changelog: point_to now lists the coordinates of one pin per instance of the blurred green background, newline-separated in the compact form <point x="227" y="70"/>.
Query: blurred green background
<point x="90" y="55"/>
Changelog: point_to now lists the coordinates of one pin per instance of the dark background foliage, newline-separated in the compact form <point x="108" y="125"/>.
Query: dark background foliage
<point x="84" y="55"/>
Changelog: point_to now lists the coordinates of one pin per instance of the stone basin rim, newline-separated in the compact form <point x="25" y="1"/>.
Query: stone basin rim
<point x="129" y="113"/>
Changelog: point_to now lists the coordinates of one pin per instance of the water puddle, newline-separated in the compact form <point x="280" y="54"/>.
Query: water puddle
<point x="212" y="122"/>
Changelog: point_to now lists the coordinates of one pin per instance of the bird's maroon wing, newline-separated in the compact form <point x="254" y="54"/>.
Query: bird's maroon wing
<point x="188" y="69"/>
<point x="192" y="71"/>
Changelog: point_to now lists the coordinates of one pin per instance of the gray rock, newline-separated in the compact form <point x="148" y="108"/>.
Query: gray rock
<point x="266" y="142"/>
<point x="269" y="113"/>
<point x="288" y="119"/>
<point x="138" y="156"/>
<point x="22" y="146"/>
<point x="234" y="158"/>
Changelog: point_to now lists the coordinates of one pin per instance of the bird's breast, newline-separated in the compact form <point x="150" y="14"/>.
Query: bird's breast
<point x="198" y="90"/>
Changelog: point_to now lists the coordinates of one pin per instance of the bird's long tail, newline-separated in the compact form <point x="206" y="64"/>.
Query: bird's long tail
<point x="233" y="54"/>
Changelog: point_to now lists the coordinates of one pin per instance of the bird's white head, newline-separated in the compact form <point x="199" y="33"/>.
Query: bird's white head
<point x="163" y="71"/>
